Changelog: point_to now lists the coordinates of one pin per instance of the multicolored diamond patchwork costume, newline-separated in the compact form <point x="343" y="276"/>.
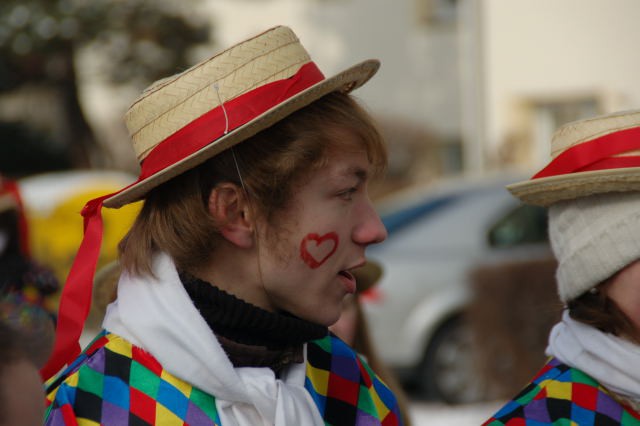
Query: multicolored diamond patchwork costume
<point x="115" y="383"/>
<point x="561" y="395"/>
<point x="345" y="389"/>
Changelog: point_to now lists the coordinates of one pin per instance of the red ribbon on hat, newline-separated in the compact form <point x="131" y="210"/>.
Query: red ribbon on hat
<point x="212" y="125"/>
<point x="596" y="154"/>
<point x="76" y="294"/>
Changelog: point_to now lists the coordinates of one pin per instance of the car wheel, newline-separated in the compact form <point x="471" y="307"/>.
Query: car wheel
<point x="447" y="370"/>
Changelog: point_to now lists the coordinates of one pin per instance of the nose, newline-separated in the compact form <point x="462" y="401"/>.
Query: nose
<point x="369" y="228"/>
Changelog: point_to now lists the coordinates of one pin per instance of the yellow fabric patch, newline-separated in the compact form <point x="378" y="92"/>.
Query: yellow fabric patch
<point x="560" y="390"/>
<point x="380" y="406"/>
<point x="120" y="346"/>
<point x="319" y="379"/>
<point x="87" y="422"/>
<point x="166" y="418"/>
<point x="72" y="380"/>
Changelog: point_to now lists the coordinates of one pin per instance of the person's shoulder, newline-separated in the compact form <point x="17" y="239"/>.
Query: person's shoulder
<point x="559" y="393"/>
<point x="88" y="359"/>
<point x="115" y="373"/>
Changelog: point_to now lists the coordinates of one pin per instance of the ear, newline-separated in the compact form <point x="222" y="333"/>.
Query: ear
<point x="230" y="209"/>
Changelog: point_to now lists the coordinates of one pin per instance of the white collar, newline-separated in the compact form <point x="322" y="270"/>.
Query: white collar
<point x="612" y="361"/>
<point x="157" y="315"/>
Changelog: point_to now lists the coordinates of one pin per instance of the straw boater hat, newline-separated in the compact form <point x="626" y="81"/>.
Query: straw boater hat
<point x="592" y="156"/>
<point x="181" y="121"/>
<point x="592" y="189"/>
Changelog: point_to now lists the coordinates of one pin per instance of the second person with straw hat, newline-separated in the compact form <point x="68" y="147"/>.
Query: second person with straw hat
<point x="592" y="189"/>
<point x="254" y="172"/>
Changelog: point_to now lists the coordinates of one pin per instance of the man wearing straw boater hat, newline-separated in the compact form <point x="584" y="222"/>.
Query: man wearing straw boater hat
<point x="592" y="189"/>
<point x="254" y="172"/>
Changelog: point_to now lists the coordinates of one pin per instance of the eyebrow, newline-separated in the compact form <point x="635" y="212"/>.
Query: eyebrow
<point x="360" y="173"/>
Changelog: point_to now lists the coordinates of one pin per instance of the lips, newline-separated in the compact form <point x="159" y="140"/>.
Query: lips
<point x="348" y="280"/>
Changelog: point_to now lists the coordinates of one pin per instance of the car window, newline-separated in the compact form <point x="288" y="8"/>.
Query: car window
<point x="404" y="217"/>
<point x="523" y="225"/>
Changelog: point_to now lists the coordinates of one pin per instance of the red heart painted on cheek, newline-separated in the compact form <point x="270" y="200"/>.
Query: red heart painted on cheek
<point x="316" y="249"/>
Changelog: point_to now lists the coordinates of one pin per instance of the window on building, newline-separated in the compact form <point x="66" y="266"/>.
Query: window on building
<point x="437" y="12"/>
<point x="450" y="153"/>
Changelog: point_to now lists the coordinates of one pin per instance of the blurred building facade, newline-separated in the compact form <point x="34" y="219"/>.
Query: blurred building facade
<point x="465" y="85"/>
<point x="486" y="81"/>
<point x="415" y="95"/>
<point x="545" y="63"/>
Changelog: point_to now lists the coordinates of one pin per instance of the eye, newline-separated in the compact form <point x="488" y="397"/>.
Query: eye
<point x="347" y="195"/>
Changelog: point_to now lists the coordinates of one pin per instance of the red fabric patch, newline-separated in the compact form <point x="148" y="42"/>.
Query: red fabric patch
<point x="390" y="420"/>
<point x="97" y="345"/>
<point x="584" y="395"/>
<point x="541" y="395"/>
<point x="68" y="415"/>
<point x="142" y="406"/>
<point x="343" y="389"/>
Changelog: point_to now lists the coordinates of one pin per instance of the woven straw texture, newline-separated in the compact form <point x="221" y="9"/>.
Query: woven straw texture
<point x="549" y="190"/>
<point x="172" y="103"/>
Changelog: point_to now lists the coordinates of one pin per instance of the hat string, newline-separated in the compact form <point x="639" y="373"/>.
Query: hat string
<point x="75" y="300"/>
<point x="596" y="154"/>
<point x="226" y="117"/>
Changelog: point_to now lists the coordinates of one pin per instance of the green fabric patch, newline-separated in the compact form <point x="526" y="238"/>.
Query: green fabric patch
<point x="144" y="380"/>
<point x="90" y="380"/>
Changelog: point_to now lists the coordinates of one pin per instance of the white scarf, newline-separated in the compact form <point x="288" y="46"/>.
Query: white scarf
<point x="157" y="315"/>
<point x="612" y="361"/>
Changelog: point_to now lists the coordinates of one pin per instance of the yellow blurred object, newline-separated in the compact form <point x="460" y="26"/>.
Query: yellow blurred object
<point x="53" y="203"/>
<point x="55" y="238"/>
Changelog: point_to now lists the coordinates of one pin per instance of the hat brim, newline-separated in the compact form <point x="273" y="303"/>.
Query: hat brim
<point x="345" y="81"/>
<point x="550" y="190"/>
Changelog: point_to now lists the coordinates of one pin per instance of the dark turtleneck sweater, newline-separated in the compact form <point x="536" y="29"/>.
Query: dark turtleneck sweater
<point x="251" y="336"/>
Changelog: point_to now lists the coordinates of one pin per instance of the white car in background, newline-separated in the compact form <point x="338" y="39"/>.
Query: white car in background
<point x="435" y="238"/>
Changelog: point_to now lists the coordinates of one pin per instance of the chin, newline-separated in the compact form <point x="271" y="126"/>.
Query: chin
<point x="328" y="321"/>
<point x="325" y="320"/>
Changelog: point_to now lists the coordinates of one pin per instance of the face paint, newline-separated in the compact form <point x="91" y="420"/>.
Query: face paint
<point x="316" y="249"/>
